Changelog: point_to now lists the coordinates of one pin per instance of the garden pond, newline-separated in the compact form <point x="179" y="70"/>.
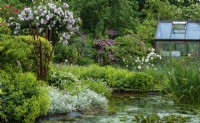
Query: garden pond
<point x="129" y="108"/>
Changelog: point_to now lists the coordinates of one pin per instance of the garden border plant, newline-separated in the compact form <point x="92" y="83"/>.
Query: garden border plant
<point x="51" y="20"/>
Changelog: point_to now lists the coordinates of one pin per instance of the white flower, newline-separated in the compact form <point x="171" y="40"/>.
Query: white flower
<point x="142" y="59"/>
<point x="65" y="5"/>
<point x="37" y="17"/>
<point x="47" y="17"/>
<point x="55" y="10"/>
<point x="152" y="50"/>
<point x="151" y="53"/>
<point x="15" y="32"/>
<point x="43" y="21"/>
<point x="11" y="23"/>
<point x="61" y="38"/>
<point x="65" y="42"/>
<point x="139" y="67"/>
<point x="146" y="60"/>
<point x="69" y="27"/>
<point x="10" y="18"/>
<point x="36" y="12"/>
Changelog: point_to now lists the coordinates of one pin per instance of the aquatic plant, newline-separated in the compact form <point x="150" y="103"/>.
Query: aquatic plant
<point x="156" y="118"/>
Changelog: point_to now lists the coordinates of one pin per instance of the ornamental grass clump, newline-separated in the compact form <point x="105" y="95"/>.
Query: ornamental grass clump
<point x="184" y="82"/>
<point x="51" y="20"/>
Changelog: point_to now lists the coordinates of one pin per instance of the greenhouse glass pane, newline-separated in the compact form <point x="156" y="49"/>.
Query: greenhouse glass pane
<point x="193" y="31"/>
<point x="164" y="31"/>
<point x="178" y="34"/>
<point x="193" y="48"/>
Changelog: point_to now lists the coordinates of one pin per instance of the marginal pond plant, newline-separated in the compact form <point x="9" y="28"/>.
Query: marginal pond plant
<point x="184" y="78"/>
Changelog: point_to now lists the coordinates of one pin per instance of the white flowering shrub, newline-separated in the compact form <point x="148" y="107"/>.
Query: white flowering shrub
<point x="149" y="61"/>
<point x="50" y="20"/>
<point x="85" y="100"/>
<point x="47" y="16"/>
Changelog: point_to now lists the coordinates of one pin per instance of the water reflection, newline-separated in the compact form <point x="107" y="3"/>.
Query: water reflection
<point x="127" y="108"/>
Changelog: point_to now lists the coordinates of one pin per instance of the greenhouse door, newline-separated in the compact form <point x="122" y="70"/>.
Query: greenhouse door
<point x="182" y="47"/>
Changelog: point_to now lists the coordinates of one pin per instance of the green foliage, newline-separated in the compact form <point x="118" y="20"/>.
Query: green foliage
<point x="46" y="51"/>
<point x="142" y="81"/>
<point x="162" y="10"/>
<point x="66" y="53"/>
<point x="13" y="53"/>
<point x="159" y="76"/>
<point x="4" y="30"/>
<point x="62" y="79"/>
<point x="18" y="53"/>
<point x="79" y="51"/>
<point x="184" y="81"/>
<point x="146" y="31"/>
<point x="191" y="12"/>
<point x="24" y="98"/>
<point x="113" y="77"/>
<point x="155" y="118"/>
<point x="97" y="86"/>
<point x="67" y="81"/>
<point x="100" y="16"/>
<point x="127" y="48"/>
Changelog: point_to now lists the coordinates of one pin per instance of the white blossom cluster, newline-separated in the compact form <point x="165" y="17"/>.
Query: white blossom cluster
<point x="85" y="100"/>
<point x="47" y="16"/>
<point x="148" y="61"/>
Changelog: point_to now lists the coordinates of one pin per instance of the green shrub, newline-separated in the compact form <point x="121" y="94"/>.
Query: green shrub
<point x="4" y="30"/>
<point x="66" y="53"/>
<point x="24" y="98"/>
<point x="78" y="51"/>
<point x="13" y="53"/>
<point x="62" y="79"/>
<point x="159" y="76"/>
<point x="142" y="81"/>
<point x="19" y="53"/>
<point x="115" y="78"/>
<point x="126" y="49"/>
<point x="124" y="79"/>
<point x="66" y="81"/>
<point x="33" y="65"/>
<point x="98" y="87"/>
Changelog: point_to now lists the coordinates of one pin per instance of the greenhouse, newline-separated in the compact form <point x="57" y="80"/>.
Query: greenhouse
<point x="178" y="38"/>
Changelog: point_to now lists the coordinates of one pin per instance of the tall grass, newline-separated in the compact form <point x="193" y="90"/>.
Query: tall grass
<point x="184" y="81"/>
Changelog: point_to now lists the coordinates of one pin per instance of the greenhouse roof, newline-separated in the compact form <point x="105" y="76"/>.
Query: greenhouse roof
<point x="178" y="30"/>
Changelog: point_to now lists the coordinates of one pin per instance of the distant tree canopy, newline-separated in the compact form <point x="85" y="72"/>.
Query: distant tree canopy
<point x="98" y="16"/>
<point x="137" y="16"/>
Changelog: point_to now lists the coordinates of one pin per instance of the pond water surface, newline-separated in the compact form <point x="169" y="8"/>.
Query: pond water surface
<point x="128" y="108"/>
